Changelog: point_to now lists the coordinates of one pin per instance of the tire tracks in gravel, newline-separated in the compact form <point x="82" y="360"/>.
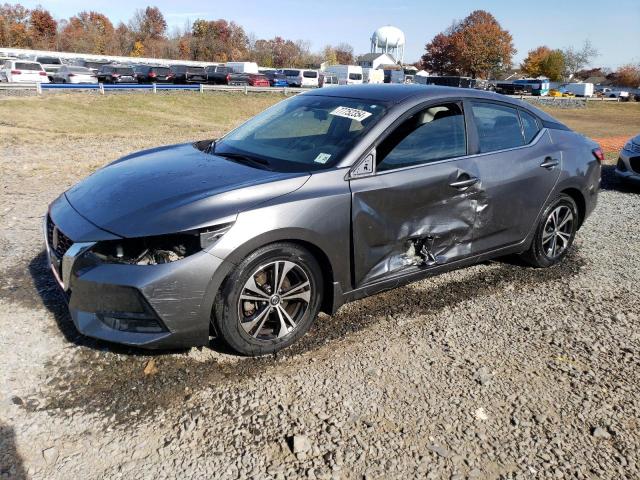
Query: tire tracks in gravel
<point x="109" y="380"/>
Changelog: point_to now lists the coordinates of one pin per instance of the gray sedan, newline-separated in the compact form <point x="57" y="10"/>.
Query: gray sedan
<point x="325" y="198"/>
<point x="628" y="166"/>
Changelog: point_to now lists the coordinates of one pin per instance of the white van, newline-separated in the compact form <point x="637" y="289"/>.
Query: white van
<point x="242" y="67"/>
<point x="300" y="77"/>
<point x="372" y="75"/>
<point x="347" y="74"/>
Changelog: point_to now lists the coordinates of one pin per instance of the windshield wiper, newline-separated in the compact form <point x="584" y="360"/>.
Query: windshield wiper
<point x="245" y="159"/>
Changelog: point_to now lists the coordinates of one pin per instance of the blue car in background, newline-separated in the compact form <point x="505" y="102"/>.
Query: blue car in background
<point x="276" y="79"/>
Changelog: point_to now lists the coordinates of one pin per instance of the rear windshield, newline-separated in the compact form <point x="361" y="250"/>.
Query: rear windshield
<point x="161" y="70"/>
<point x="222" y="70"/>
<point x="49" y="60"/>
<point x="355" y="76"/>
<point x="196" y="70"/>
<point x="94" y="64"/>
<point x="310" y="74"/>
<point x="124" y="70"/>
<point x="28" y="66"/>
<point x="291" y="73"/>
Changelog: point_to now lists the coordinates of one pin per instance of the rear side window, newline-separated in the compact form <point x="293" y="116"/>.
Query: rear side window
<point x="498" y="126"/>
<point x="530" y="126"/>
<point x="435" y="133"/>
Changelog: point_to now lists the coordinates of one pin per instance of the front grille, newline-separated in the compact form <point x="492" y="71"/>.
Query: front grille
<point x="57" y="240"/>
<point x="635" y="164"/>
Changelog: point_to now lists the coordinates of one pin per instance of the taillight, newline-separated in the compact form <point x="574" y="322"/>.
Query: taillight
<point x="115" y="75"/>
<point x="597" y="152"/>
<point x="44" y="74"/>
<point x="71" y="74"/>
<point x="228" y="78"/>
<point x="152" y="74"/>
<point x="15" y="72"/>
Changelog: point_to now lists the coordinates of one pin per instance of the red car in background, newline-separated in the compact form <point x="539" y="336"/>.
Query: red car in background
<point x="249" y="79"/>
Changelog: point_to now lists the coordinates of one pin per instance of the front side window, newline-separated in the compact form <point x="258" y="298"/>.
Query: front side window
<point x="530" y="126"/>
<point x="498" y="126"/>
<point x="435" y="133"/>
<point x="308" y="132"/>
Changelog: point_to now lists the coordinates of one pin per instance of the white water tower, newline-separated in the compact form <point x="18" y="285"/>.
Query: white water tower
<point x="389" y="39"/>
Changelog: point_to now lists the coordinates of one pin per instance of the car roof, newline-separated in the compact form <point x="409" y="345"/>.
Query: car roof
<point x="398" y="93"/>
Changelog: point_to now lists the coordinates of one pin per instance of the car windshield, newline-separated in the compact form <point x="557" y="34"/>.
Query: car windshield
<point x="304" y="133"/>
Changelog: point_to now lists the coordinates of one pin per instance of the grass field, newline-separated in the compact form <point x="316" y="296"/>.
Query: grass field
<point x="79" y="133"/>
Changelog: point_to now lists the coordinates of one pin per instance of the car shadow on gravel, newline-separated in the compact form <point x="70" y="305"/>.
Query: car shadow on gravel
<point x="117" y="382"/>
<point x="10" y="460"/>
<point x="611" y="182"/>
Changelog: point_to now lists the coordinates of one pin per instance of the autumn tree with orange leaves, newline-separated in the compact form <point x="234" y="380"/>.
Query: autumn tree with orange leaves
<point x="475" y="46"/>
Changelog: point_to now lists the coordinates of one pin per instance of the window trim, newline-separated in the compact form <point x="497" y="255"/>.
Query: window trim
<point x="543" y="127"/>
<point x="412" y="111"/>
<point x="535" y="119"/>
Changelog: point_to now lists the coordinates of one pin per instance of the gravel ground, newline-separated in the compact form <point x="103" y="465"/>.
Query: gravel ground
<point x="496" y="371"/>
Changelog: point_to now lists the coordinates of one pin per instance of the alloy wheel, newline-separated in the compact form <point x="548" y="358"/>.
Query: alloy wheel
<point x="274" y="299"/>
<point x="557" y="231"/>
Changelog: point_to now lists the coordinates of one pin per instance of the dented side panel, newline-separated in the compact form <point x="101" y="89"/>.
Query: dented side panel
<point x="412" y="218"/>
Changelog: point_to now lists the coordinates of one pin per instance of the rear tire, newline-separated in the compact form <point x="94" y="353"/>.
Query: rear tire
<point x="555" y="233"/>
<point x="270" y="300"/>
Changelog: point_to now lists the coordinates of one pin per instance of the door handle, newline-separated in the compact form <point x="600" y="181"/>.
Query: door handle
<point x="549" y="163"/>
<point x="467" y="182"/>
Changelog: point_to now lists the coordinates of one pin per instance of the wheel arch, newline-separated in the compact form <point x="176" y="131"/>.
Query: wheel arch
<point x="581" y="202"/>
<point x="299" y="237"/>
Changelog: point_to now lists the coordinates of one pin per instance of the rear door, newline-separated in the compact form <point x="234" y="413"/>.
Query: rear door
<point x="418" y="209"/>
<point x="518" y="166"/>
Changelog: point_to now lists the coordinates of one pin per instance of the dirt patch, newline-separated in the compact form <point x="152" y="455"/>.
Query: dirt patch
<point x="111" y="380"/>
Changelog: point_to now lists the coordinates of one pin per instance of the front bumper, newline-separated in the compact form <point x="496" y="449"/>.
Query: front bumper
<point x="151" y="306"/>
<point x="628" y="166"/>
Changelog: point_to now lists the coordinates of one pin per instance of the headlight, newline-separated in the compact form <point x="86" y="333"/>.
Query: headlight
<point x="159" y="249"/>
<point x="627" y="146"/>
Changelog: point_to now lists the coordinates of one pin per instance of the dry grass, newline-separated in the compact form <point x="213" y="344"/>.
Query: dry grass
<point x="70" y="135"/>
<point x="602" y="119"/>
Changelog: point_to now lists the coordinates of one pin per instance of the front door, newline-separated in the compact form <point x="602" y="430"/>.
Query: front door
<point x="418" y="210"/>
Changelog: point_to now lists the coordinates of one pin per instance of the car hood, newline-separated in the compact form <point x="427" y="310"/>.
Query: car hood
<point x="173" y="189"/>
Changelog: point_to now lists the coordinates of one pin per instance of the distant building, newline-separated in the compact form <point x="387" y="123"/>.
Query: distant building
<point x="375" y="60"/>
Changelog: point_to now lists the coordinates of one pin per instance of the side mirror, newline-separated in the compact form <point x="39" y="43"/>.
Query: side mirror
<point x="366" y="167"/>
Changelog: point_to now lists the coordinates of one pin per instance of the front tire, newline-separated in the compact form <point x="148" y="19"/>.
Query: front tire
<point x="270" y="300"/>
<point x="555" y="233"/>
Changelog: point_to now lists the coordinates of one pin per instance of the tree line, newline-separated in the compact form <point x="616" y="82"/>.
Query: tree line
<point x="478" y="46"/>
<point x="146" y="35"/>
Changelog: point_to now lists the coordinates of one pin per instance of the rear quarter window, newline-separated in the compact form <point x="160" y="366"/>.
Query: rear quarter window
<point x="530" y="126"/>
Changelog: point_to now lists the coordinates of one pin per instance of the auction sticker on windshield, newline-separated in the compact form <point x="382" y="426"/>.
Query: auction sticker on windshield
<point x="322" y="158"/>
<point x="352" y="113"/>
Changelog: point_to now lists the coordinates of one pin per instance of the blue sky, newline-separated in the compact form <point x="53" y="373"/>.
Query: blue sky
<point x="614" y="28"/>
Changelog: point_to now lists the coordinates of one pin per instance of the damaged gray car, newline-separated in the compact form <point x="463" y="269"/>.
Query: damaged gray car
<point x="324" y="198"/>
